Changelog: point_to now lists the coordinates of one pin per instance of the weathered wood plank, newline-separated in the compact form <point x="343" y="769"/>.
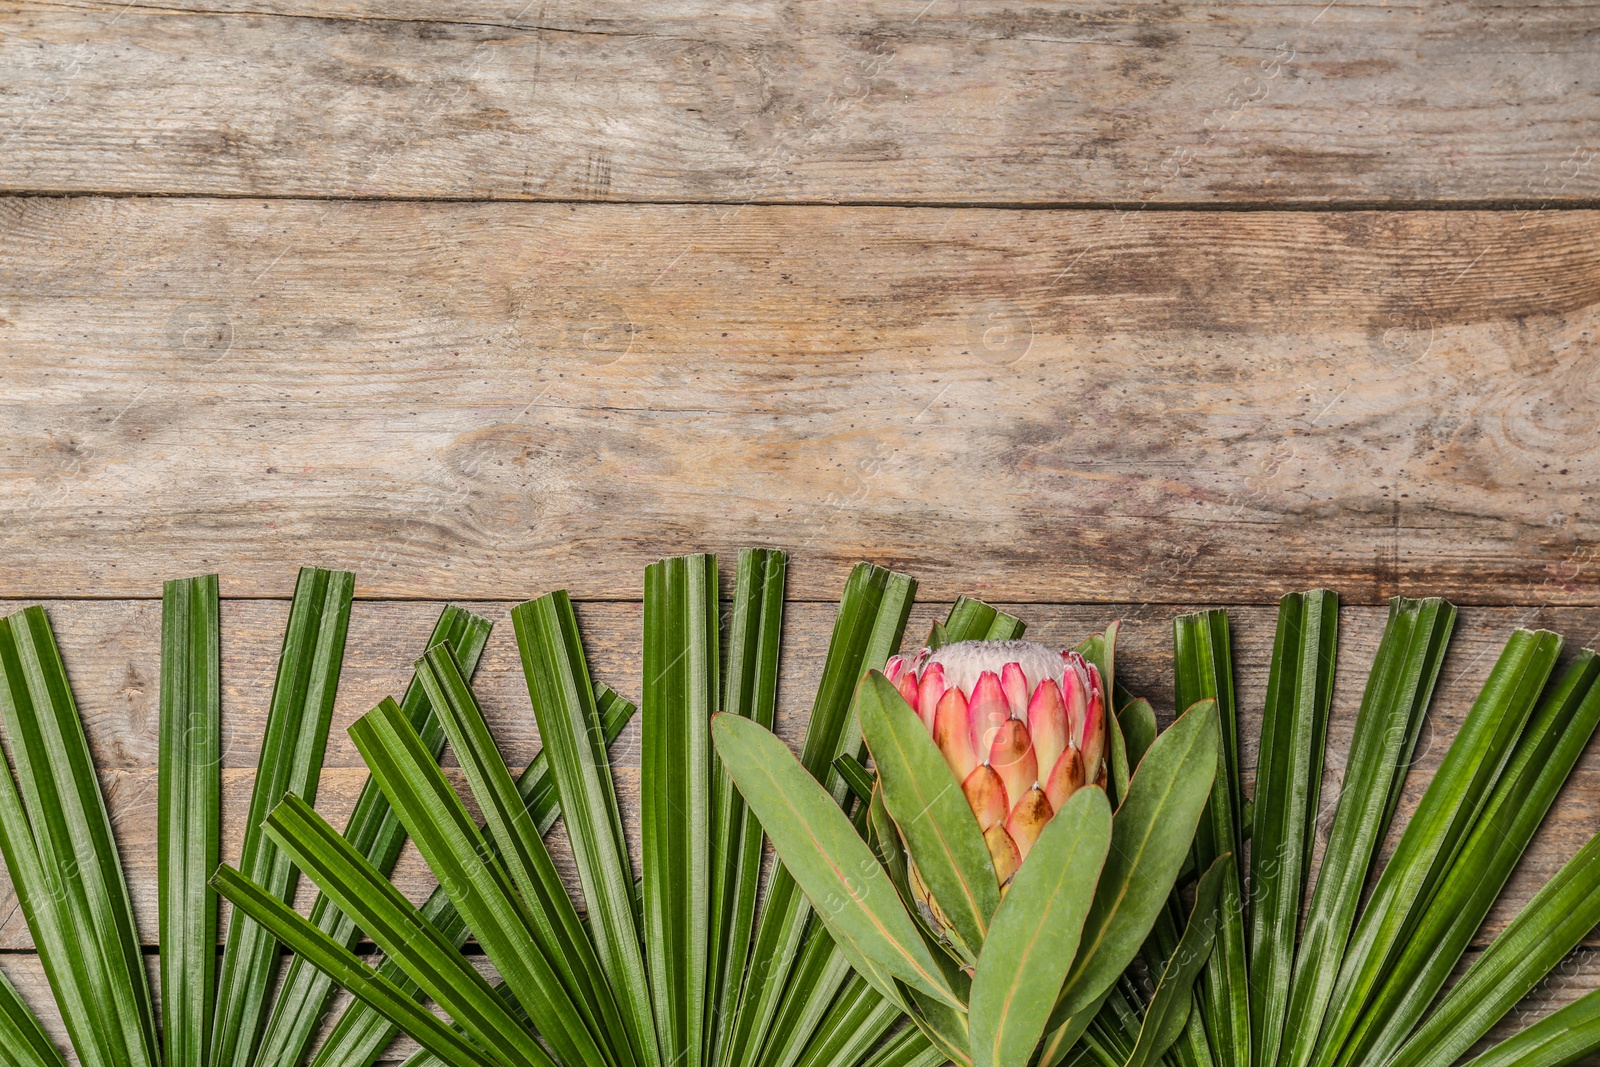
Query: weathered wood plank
<point x="112" y="653"/>
<point x="895" y="100"/>
<point x="476" y="400"/>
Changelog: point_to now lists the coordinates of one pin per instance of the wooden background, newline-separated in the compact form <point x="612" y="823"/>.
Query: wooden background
<point x="1091" y="309"/>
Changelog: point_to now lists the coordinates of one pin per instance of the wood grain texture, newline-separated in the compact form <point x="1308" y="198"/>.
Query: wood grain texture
<point x="477" y="400"/>
<point x="895" y="100"/>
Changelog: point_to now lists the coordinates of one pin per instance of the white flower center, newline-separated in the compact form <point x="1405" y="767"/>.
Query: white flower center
<point x="964" y="661"/>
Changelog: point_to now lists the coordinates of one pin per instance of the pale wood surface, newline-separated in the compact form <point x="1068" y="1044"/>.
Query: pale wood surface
<point x="478" y="400"/>
<point x="215" y="356"/>
<point x="893" y="100"/>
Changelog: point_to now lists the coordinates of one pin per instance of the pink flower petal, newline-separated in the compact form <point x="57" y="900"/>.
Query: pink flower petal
<point x="1028" y="818"/>
<point x="986" y="793"/>
<point x="929" y="692"/>
<point x="952" y="732"/>
<point x="1047" y="723"/>
<point x="1012" y="757"/>
<point x="989" y="710"/>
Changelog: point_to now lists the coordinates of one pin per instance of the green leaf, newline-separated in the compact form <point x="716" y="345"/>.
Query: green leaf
<point x="361" y="1032"/>
<point x="1437" y="828"/>
<point x="857" y="776"/>
<point x="1203" y="669"/>
<point x="930" y="810"/>
<point x="1560" y="1038"/>
<point x="1544" y="758"/>
<point x="1294" y="733"/>
<point x="1150" y="836"/>
<point x="290" y="762"/>
<point x="867" y="630"/>
<point x="563" y="703"/>
<point x="346" y="968"/>
<point x="565" y="973"/>
<point x="1551" y="925"/>
<point x="1165" y="1018"/>
<point x="189" y="812"/>
<point x="1035" y="933"/>
<point x="481" y="889"/>
<point x="1392" y="707"/>
<point x="397" y="927"/>
<point x="23" y="1041"/>
<point x="750" y="689"/>
<point x="827" y="858"/>
<point x="908" y="1048"/>
<point x="681" y="691"/>
<point x="1138" y="721"/>
<point x="297" y="1012"/>
<point x="59" y="849"/>
<point x="820" y="973"/>
<point x="973" y="620"/>
<point x="855" y="1023"/>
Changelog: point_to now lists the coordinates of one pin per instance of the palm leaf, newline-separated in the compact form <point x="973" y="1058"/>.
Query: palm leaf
<point x="563" y="702"/>
<point x="370" y="986"/>
<point x="291" y="761"/>
<point x="1392" y="706"/>
<point x="1203" y="669"/>
<point x="1294" y="730"/>
<point x="56" y="835"/>
<point x="374" y="830"/>
<point x="751" y="690"/>
<point x="361" y="1032"/>
<point x="1437" y="828"/>
<point x="681" y="691"/>
<point x="1544" y="758"/>
<point x="189" y="814"/>
<point x="23" y="1041"/>
<point x="1558" y="917"/>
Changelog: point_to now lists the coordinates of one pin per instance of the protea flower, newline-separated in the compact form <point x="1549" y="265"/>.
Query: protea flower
<point x="1022" y="727"/>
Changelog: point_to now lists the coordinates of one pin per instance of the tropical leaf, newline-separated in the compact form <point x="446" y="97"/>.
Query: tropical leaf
<point x="1544" y="758"/>
<point x="368" y="985"/>
<point x="1203" y="668"/>
<point x="189" y="814"/>
<point x="1392" y="706"/>
<point x="1294" y="731"/>
<point x="1036" y="929"/>
<point x="1558" y="917"/>
<point x="23" y="1041"/>
<point x="303" y="999"/>
<point x="360" y="891"/>
<point x="1437" y="828"/>
<point x="867" y="629"/>
<point x="828" y="860"/>
<point x="750" y="689"/>
<point x="682" y="689"/>
<point x="931" y="812"/>
<point x="547" y="915"/>
<point x="290" y="762"/>
<point x="1168" y="1012"/>
<point x="1150" y="836"/>
<point x="361" y="1032"/>
<point x="56" y="836"/>
<point x="1563" y="1037"/>
<point x="481" y="889"/>
<point x="559" y="685"/>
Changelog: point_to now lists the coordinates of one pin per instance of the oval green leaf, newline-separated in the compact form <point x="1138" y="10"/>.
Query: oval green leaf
<point x="932" y="813"/>
<point x="1035" y="932"/>
<point x="828" y="859"/>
